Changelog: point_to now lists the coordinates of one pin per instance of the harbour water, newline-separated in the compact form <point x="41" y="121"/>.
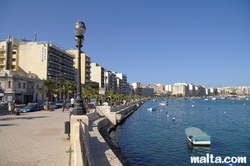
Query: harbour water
<point x="151" y="138"/>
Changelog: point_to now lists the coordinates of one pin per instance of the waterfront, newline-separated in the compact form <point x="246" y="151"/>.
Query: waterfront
<point x="153" y="138"/>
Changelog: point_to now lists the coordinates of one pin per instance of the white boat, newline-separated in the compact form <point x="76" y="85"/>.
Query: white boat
<point x="197" y="137"/>
<point x="214" y="98"/>
<point x="163" y="103"/>
<point x="151" y="108"/>
<point x="223" y="98"/>
<point x="205" y="99"/>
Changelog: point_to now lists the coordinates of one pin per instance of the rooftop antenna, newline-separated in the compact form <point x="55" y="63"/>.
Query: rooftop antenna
<point x="35" y="35"/>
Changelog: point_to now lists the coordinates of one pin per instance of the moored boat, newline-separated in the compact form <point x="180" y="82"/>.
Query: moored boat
<point x="197" y="137"/>
<point x="163" y="103"/>
<point x="151" y="108"/>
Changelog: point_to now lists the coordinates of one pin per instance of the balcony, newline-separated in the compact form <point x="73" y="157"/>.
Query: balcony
<point x="14" y="56"/>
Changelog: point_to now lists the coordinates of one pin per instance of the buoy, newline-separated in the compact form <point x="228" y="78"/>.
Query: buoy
<point x="192" y="105"/>
<point x="225" y="112"/>
<point x="244" y="104"/>
<point x="167" y="115"/>
<point x="173" y="119"/>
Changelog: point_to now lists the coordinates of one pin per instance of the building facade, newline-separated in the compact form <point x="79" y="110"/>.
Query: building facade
<point x="19" y="86"/>
<point x="180" y="89"/>
<point x="97" y="74"/>
<point x="9" y="51"/>
<point x="85" y="66"/>
<point x="47" y="60"/>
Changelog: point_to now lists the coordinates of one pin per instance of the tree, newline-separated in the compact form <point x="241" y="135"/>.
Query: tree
<point x="61" y="81"/>
<point x="66" y="86"/>
<point x="73" y="88"/>
<point x="48" y="88"/>
<point x="89" y="92"/>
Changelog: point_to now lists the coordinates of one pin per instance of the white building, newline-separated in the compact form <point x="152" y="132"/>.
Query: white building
<point x="20" y="86"/>
<point x="180" y="89"/>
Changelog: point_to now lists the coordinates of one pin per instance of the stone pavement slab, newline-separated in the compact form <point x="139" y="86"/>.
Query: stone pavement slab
<point x="34" y="139"/>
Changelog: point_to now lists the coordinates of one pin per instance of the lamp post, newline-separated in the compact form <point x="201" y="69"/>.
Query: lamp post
<point x="105" y="78"/>
<point x="110" y="87"/>
<point x="80" y="29"/>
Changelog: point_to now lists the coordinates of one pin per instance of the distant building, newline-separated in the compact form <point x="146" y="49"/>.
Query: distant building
<point x="139" y="89"/>
<point x="180" y="89"/>
<point x="199" y="90"/>
<point x="97" y="74"/>
<point x="169" y="88"/>
<point x="191" y="89"/>
<point x="85" y="66"/>
<point x="122" y="84"/>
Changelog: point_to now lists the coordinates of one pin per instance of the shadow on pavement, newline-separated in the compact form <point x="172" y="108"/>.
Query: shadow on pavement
<point x="25" y="118"/>
<point x="6" y="125"/>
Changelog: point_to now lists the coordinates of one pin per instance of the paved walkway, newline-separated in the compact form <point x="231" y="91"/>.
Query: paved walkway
<point x="34" y="139"/>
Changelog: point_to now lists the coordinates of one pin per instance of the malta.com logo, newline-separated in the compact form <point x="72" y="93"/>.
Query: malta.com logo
<point x="211" y="159"/>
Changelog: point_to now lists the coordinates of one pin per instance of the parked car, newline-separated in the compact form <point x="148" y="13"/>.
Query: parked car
<point x="32" y="107"/>
<point x="3" y="103"/>
<point x="52" y="105"/>
<point x="59" y="103"/>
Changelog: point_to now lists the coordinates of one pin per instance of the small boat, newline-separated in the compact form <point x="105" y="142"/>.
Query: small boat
<point x="205" y="99"/>
<point x="223" y="98"/>
<point x="214" y="98"/>
<point x="151" y="108"/>
<point x="163" y="103"/>
<point x="197" y="137"/>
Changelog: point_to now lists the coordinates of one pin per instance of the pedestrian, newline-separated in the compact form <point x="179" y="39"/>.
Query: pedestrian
<point x="13" y="105"/>
<point x="63" y="106"/>
<point x="72" y="101"/>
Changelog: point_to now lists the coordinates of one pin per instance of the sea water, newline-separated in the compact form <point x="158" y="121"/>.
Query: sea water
<point x="148" y="138"/>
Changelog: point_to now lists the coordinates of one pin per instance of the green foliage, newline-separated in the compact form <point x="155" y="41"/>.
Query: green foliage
<point x="48" y="88"/>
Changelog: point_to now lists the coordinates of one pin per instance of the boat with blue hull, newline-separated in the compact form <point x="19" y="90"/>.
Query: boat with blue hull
<point x="197" y="137"/>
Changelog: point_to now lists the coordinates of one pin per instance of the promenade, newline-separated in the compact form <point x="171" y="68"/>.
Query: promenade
<point x="38" y="139"/>
<point x="34" y="139"/>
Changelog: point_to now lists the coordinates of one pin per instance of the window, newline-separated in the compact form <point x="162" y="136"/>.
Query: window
<point x="8" y="84"/>
<point x="37" y="86"/>
<point x="19" y="85"/>
<point x="24" y="85"/>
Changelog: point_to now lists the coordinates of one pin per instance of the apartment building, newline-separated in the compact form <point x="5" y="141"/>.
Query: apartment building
<point x="199" y="90"/>
<point x="180" y="89"/>
<point x="110" y="80"/>
<point x="46" y="59"/>
<point x="85" y="66"/>
<point x="122" y="84"/>
<point x="169" y="88"/>
<point x="97" y="74"/>
<point x="9" y="50"/>
<point x="140" y="89"/>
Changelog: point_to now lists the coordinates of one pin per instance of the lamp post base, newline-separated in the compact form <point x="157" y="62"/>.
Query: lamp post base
<point x="79" y="109"/>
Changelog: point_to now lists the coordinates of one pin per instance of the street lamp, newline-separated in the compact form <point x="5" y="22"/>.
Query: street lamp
<point x="105" y="78"/>
<point x="80" y="29"/>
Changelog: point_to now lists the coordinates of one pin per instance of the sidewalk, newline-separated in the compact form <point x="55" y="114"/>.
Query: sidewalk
<point x="34" y="139"/>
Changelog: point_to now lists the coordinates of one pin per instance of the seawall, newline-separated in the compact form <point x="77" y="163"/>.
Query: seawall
<point x="102" y="126"/>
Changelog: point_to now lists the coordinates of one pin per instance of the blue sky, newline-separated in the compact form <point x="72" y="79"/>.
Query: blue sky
<point x="205" y="42"/>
